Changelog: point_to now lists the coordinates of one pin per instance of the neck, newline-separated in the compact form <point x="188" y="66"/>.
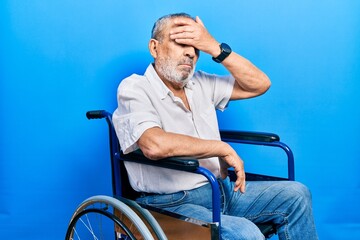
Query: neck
<point x="173" y="86"/>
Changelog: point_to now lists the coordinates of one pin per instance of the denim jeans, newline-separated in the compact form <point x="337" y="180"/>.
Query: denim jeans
<point x="286" y="204"/>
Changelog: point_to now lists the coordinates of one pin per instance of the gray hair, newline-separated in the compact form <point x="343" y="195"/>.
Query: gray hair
<point x="156" y="32"/>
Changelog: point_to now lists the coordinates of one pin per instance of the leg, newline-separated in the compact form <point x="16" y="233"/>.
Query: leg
<point x="287" y="204"/>
<point x="197" y="204"/>
<point x="231" y="227"/>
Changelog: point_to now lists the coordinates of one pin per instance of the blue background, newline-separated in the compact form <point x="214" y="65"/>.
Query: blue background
<point x="59" y="59"/>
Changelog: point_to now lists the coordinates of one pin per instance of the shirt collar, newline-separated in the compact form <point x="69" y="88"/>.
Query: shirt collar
<point x="158" y="84"/>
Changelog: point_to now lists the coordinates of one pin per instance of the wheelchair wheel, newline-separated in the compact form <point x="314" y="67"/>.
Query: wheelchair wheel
<point x="104" y="217"/>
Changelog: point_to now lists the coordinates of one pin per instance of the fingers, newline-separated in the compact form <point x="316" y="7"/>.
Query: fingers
<point x="198" y="20"/>
<point x="183" y="21"/>
<point x="188" y="21"/>
<point x="238" y="165"/>
<point x="193" y="33"/>
<point x="183" y="34"/>
<point x="181" y="29"/>
<point x="240" y="175"/>
<point x="186" y="28"/>
<point x="240" y="182"/>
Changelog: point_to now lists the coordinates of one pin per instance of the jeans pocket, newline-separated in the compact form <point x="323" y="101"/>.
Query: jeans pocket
<point x="164" y="200"/>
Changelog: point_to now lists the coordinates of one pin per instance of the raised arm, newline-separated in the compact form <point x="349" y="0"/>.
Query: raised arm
<point x="250" y="81"/>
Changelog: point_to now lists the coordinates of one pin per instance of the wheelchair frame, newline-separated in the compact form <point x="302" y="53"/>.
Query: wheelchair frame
<point x="190" y="165"/>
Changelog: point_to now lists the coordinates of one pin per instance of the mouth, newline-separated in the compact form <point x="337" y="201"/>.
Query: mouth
<point x="186" y="65"/>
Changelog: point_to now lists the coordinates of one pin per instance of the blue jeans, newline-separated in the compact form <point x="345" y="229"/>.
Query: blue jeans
<point x="286" y="204"/>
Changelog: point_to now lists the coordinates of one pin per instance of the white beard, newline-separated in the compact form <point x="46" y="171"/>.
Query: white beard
<point x="167" y="68"/>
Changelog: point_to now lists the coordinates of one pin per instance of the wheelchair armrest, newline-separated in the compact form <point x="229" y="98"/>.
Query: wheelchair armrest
<point x="229" y="136"/>
<point x="188" y="165"/>
<point x="260" y="138"/>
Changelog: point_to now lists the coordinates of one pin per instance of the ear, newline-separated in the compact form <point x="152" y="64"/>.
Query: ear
<point x="153" y="47"/>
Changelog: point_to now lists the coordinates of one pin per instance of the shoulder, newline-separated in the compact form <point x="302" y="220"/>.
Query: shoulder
<point x="211" y="78"/>
<point x="133" y="82"/>
<point x="201" y="75"/>
<point x="203" y="79"/>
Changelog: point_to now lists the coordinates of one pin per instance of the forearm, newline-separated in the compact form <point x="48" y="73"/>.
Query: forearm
<point x="155" y="143"/>
<point x="250" y="81"/>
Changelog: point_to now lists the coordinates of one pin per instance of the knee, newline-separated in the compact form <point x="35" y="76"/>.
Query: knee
<point x="301" y="193"/>
<point x="302" y="190"/>
<point x="240" y="228"/>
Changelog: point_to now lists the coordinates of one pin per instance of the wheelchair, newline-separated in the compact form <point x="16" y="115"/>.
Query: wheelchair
<point x="121" y="217"/>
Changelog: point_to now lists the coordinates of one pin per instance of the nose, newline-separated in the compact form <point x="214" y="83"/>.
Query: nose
<point x="190" y="52"/>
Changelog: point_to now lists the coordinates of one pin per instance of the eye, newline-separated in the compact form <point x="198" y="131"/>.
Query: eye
<point x="180" y="44"/>
<point x="197" y="52"/>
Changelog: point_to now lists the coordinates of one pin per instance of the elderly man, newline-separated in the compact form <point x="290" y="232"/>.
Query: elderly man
<point x="171" y="111"/>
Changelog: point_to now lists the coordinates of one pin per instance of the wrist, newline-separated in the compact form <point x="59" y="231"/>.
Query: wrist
<point x="225" y="51"/>
<point x="225" y="149"/>
<point x="215" y="49"/>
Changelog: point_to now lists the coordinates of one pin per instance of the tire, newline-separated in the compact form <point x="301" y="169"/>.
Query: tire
<point x="104" y="217"/>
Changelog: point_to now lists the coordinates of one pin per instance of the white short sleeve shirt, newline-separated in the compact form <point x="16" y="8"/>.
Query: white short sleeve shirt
<point x="145" y="102"/>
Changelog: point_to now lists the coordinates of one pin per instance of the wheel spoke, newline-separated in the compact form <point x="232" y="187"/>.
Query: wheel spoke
<point x="99" y="217"/>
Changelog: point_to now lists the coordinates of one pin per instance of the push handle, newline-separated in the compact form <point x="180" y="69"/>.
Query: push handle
<point x="96" y="114"/>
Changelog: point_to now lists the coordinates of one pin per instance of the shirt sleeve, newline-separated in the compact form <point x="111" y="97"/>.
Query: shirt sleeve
<point x="224" y="86"/>
<point x="134" y="115"/>
<point x="219" y="88"/>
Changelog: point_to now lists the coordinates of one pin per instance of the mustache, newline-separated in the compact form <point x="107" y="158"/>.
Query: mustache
<point x="188" y="61"/>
